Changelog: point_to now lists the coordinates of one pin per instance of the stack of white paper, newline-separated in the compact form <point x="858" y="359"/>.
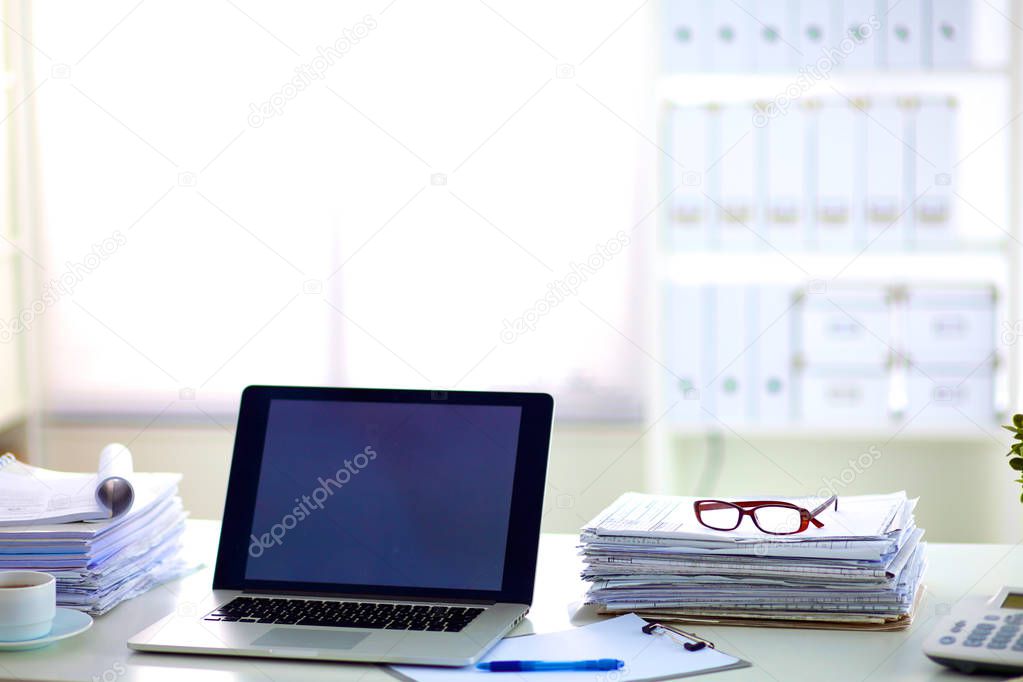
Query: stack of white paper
<point x="99" y="564"/>
<point x="650" y="555"/>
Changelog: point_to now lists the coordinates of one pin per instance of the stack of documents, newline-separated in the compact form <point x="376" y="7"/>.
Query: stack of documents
<point x="133" y="545"/>
<point x="649" y="555"/>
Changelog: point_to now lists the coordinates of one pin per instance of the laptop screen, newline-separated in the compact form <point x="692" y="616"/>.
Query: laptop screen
<point x="384" y="493"/>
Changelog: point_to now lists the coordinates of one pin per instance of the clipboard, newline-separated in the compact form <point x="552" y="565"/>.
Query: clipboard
<point x="648" y="657"/>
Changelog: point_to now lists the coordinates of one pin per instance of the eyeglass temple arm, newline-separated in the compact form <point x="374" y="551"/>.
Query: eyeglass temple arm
<point x="824" y="505"/>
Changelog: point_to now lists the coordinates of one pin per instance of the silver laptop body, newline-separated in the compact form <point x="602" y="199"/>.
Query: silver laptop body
<point x="418" y="549"/>
<point x="193" y="635"/>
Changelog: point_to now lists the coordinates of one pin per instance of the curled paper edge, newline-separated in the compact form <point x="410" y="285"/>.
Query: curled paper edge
<point x="114" y="491"/>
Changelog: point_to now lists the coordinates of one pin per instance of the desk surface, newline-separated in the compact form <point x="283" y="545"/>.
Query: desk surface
<point x="954" y="571"/>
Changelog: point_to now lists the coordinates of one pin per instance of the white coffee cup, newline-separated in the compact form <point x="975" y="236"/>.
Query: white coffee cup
<point x="28" y="604"/>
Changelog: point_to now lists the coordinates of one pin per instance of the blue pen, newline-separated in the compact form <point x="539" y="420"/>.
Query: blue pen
<point x="527" y="666"/>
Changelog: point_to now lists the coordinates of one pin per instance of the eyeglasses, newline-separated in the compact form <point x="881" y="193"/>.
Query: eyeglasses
<point x="771" y="517"/>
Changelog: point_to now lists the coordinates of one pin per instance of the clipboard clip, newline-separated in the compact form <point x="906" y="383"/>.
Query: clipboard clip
<point x="691" y="642"/>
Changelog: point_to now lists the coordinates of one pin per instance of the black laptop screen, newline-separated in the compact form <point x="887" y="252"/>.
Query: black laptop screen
<point x="389" y="494"/>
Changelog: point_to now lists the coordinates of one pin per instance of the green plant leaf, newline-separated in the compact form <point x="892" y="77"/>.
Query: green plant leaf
<point x="1017" y="421"/>
<point x="1016" y="463"/>
<point x="1010" y="428"/>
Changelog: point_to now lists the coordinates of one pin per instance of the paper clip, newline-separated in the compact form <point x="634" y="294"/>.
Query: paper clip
<point x="691" y="642"/>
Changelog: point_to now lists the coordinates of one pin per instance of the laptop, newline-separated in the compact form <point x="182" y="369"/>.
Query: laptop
<point x="387" y="526"/>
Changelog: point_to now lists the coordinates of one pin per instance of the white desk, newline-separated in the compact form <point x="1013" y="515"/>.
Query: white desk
<point x="782" y="655"/>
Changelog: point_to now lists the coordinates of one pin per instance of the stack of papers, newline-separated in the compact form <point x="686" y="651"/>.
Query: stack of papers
<point x="649" y="555"/>
<point x="98" y="564"/>
<point x="30" y="495"/>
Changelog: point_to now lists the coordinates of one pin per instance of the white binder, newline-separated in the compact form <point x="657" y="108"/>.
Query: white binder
<point x="691" y="211"/>
<point x="775" y="41"/>
<point x="725" y="357"/>
<point x="685" y="314"/>
<point x="817" y="23"/>
<point x="772" y="317"/>
<point x="784" y="179"/>
<point x="862" y="24"/>
<point x="835" y="152"/>
<point x="948" y="43"/>
<point x="886" y="154"/>
<point x="904" y="34"/>
<point x="734" y="178"/>
<point x="685" y="35"/>
<point x="731" y="39"/>
<point x="935" y="135"/>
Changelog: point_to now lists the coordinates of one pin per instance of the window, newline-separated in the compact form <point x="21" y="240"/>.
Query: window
<point x="365" y="194"/>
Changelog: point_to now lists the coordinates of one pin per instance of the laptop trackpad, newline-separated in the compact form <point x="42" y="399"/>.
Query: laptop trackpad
<point x="311" y="639"/>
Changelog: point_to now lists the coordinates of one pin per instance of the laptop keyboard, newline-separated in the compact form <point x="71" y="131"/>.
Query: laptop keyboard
<point x="343" y="614"/>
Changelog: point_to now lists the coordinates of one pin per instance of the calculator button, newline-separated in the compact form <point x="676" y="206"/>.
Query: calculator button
<point x="947" y="640"/>
<point x="972" y="642"/>
<point x="960" y="623"/>
<point x="991" y="616"/>
<point x="996" y="645"/>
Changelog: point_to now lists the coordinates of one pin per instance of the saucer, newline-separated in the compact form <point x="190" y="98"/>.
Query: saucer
<point x="67" y="623"/>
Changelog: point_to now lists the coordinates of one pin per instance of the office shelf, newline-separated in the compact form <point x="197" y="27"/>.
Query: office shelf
<point x="804" y="267"/>
<point x="682" y="88"/>
<point x="985" y="248"/>
<point x="839" y="432"/>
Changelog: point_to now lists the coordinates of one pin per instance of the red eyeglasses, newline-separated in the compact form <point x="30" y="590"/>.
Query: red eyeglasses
<point x="772" y="517"/>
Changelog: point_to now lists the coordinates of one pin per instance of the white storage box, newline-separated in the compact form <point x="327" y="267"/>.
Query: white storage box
<point x="845" y="328"/>
<point x="951" y="327"/>
<point x="955" y="400"/>
<point x="843" y="398"/>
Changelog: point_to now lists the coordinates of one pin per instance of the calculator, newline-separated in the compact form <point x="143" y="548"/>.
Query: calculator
<point x="981" y="636"/>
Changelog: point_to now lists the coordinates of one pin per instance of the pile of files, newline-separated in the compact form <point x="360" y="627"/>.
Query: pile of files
<point x="649" y="555"/>
<point x="130" y="542"/>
